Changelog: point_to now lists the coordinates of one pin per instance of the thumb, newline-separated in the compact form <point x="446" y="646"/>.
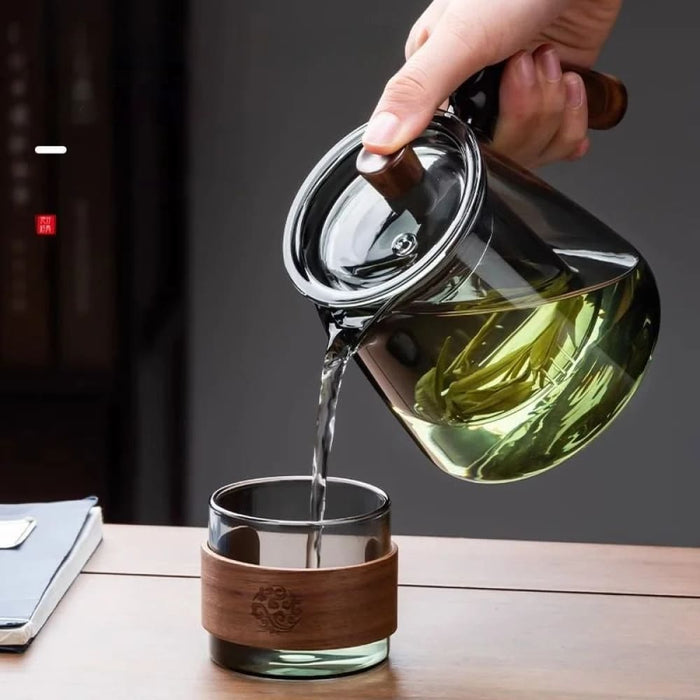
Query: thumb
<point x="412" y="95"/>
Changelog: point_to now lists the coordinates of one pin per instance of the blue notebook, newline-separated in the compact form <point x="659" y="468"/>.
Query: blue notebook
<point x="53" y="543"/>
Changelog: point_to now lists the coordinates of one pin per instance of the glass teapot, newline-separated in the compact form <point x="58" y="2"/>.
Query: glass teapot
<point x="503" y="325"/>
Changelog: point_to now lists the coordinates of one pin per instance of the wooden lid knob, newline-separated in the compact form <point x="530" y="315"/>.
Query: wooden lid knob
<point x="392" y="176"/>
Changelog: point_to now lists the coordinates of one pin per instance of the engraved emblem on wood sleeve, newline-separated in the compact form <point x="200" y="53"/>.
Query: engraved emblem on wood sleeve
<point x="276" y="609"/>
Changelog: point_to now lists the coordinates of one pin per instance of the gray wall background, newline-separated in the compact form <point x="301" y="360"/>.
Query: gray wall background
<point x="274" y="84"/>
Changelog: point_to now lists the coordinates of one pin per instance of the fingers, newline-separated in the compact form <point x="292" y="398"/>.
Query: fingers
<point x="571" y="141"/>
<point x="412" y="95"/>
<point x="543" y="114"/>
<point x="418" y="36"/>
<point x="459" y="39"/>
<point x="531" y="104"/>
<point x="422" y="29"/>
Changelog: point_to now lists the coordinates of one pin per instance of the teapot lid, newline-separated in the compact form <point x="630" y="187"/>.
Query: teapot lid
<point x="346" y="245"/>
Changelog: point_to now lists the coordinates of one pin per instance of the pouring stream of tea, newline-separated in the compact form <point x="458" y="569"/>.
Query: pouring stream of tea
<point x="335" y="361"/>
<point x="346" y="329"/>
<point x="345" y="332"/>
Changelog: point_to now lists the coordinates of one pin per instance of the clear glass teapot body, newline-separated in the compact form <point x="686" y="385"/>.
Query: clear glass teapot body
<point x="510" y="331"/>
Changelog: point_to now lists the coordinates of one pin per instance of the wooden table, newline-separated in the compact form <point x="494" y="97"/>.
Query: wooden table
<point x="477" y="619"/>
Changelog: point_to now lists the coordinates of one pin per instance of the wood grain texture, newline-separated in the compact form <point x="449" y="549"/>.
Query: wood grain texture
<point x="454" y="562"/>
<point x="332" y="608"/>
<point x="134" y="637"/>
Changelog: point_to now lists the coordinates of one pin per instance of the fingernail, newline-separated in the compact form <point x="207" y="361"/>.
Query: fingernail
<point x="551" y="66"/>
<point x="574" y="90"/>
<point x="526" y="69"/>
<point x="382" y="129"/>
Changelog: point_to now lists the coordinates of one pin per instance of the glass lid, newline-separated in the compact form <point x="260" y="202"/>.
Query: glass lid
<point x="347" y="245"/>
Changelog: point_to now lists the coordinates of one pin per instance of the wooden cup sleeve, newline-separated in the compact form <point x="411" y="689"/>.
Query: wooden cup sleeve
<point x="299" y="609"/>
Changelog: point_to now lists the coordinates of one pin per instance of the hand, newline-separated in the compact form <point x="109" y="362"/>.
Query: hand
<point x="543" y="112"/>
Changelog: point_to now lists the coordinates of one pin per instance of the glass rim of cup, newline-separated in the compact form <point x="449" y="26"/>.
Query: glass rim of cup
<point x="382" y="509"/>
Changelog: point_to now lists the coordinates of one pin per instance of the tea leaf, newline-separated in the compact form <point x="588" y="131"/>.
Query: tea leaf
<point x="521" y="364"/>
<point x="505" y="397"/>
<point x="464" y="357"/>
<point x="542" y="347"/>
<point x="440" y="378"/>
<point x="461" y="390"/>
<point x="480" y="377"/>
<point x="424" y="396"/>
